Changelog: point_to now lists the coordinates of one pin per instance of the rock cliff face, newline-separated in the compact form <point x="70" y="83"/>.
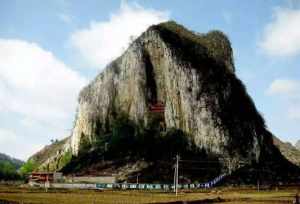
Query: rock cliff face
<point x="193" y="76"/>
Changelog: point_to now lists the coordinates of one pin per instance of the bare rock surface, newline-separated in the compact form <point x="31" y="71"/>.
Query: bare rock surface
<point x="193" y="76"/>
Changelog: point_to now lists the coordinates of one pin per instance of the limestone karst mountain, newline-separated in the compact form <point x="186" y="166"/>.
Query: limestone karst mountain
<point x="172" y="91"/>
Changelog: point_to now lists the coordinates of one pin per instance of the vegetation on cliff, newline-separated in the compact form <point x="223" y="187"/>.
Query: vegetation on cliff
<point x="29" y="166"/>
<point x="41" y="161"/>
<point x="215" y="42"/>
<point x="128" y="142"/>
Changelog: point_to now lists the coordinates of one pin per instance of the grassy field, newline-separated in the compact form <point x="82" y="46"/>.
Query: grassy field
<point x="218" y="195"/>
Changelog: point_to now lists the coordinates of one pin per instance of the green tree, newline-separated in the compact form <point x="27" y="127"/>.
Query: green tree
<point x="123" y="138"/>
<point x="85" y="145"/>
<point x="66" y="158"/>
<point x="28" y="167"/>
<point x="8" y="171"/>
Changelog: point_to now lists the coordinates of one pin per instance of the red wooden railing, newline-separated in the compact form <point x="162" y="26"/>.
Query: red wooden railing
<point x="158" y="107"/>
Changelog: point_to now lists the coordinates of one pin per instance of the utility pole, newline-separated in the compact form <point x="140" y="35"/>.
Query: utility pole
<point x="258" y="177"/>
<point x="105" y="146"/>
<point x="177" y="167"/>
<point x="46" y="183"/>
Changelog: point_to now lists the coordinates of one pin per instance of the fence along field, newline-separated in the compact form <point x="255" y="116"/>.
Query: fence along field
<point x="131" y="186"/>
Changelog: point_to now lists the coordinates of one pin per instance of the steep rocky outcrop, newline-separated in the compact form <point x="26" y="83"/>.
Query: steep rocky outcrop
<point x="193" y="77"/>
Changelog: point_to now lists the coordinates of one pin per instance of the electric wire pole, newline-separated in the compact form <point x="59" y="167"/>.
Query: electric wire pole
<point x="175" y="169"/>
<point x="176" y="175"/>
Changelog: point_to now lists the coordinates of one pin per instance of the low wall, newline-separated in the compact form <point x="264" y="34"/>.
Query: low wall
<point x="64" y="185"/>
<point x="73" y="185"/>
<point x="87" y="179"/>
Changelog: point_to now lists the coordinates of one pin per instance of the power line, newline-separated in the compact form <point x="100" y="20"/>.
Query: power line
<point x="194" y="168"/>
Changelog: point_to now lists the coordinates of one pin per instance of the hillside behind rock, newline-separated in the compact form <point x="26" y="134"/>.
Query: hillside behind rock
<point x="288" y="150"/>
<point x="297" y="145"/>
<point x="9" y="167"/>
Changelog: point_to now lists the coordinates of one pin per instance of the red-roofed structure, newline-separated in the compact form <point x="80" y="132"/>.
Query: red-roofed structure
<point x="157" y="107"/>
<point x="42" y="177"/>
